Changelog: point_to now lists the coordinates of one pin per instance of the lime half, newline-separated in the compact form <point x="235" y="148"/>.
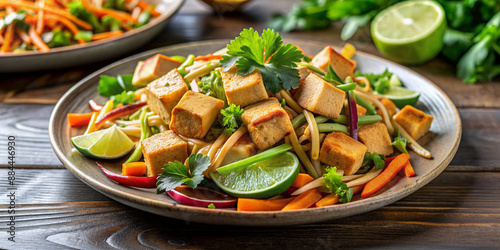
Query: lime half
<point x="109" y="143"/>
<point x="260" y="180"/>
<point x="401" y="96"/>
<point x="410" y="32"/>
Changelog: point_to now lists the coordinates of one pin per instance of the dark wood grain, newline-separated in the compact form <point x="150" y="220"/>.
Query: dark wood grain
<point x="457" y="209"/>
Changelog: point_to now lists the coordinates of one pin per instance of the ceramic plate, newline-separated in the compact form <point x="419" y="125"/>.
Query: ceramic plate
<point x="442" y="141"/>
<point x="81" y="54"/>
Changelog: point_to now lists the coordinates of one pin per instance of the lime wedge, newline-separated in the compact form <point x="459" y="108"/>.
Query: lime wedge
<point x="401" y="96"/>
<point x="260" y="180"/>
<point x="109" y="143"/>
<point x="410" y="32"/>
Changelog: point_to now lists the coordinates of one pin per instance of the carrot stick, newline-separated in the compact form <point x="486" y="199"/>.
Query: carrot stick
<point x="28" y="5"/>
<point x="134" y="169"/>
<point x="9" y="37"/>
<point x="301" y="180"/>
<point x="66" y="22"/>
<point x="122" y="16"/>
<point x="245" y="204"/>
<point x="41" y="14"/>
<point x="105" y="35"/>
<point x="23" y="35"/>
<point x="304" y="200"/>
<point x="328" y="200"/>
<point x="76" y="120"/>
<point x="409" y="172"/>
<point x="37" y="41"/>
<point x="145" y="6"/>
<point x="383" y="178"/>
<point x="208" y="58"/>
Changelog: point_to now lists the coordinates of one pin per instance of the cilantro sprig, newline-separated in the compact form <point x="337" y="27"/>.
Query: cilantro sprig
<point x="275" y="61"/>
<point x="231" y="118"/>
<point x="175" y="173"/>
<point x="400" y="143"/>
<point x="333" y="181"/>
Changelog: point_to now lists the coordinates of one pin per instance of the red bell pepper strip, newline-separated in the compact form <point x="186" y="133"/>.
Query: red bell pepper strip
<point x="132" y="181"/>
<point x="121" y="111"/>
<point x="94" y="106"/>
<point x="386" y="176"/>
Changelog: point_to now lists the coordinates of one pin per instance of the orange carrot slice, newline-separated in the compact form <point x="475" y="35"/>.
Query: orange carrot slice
<point x="76" y="120"/>
<point x="134" y="168"/>
<point x="105" y="35"/>
<point x="208" y="58"/>
<point x="245" y="204"/>
<point x="409" y="172"/>
<point x="386" y="176"/>
<point x="304" y="200"/>
<point x="328" y="200"/>
<point x="301" y="180"/>
<point x="37" y="40"/>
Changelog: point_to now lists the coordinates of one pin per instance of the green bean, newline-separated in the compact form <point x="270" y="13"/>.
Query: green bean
<point x="188" y="62"/>
<point x="347" y="87"/>
<point x="321" y="119"/>
<point x="370" y="109"/>
<point x="145" y="133"/>
<point x="342" y="120"/>
<point x="312" y="68"/>
<point x="362" y="120"/>
<point x="135" y="115"/>
<point x="332" y="127"/>
<point x="299" y="120"/>
<point x="179" y="58"/>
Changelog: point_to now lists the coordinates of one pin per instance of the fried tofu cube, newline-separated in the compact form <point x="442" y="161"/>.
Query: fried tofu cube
<point x="389" y="106"/>
<point x="243" y="90"/>
<point x="320" y="97"/>
<point x="342" y="66"/>
<point x="303" y="72"/>
<point x="164" y="93"/>
<point x="361" y="110"/>
<point x="267" y="122"/>
<point x="414" y="121"/>
<point x="194" y="114"/>
<point x="341" y="151"/>
<point x="152" y="69"/>
<point x="161" y="149"/>
<point x="376" y="138"/>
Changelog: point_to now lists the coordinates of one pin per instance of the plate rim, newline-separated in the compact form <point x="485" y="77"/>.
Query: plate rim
<point x="369" y="204"/>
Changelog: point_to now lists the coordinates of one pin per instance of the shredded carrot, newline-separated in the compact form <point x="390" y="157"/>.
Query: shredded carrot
<point x="9" y="37"/>
<point x="76" y="120"/>
<point x="245" y="204"/>
<point x="122" y="16"/>
<point x="134" y="168"/>
<point x="67" y="23"/>
<point x="386" y="176"/>
<point x="145" y="6"/>
<point x="52" y="10"/>
<point x="37" y="41"/>
<point x="208" y="58"/>
<point x="301" y="180"/>
<point x="23" y="35"/>
<point x="106" y="35"/>
<point x="409" y="172"/>
<point x="40" y="22"/>
<point x="328" y="200"/>
<point x="304" y="200"/>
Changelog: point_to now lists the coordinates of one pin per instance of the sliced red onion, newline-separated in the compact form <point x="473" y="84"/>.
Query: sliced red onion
<point x="353" y="114"/>
<point x="185" y="195"/>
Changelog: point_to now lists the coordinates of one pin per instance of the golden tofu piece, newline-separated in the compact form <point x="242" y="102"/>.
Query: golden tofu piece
<point x="414" y="121"/>
<point x="361" y="110"/>
<point x="341" y="151"/>
<point x="267" y="122"/>
<point x="320" y="97"/>
<point x="376" y="138"/>
<point x="194" y="114"/>
<point x="243" y="90"/>
<point x="164" y="93"/>
<point x="342" y="66"/>
<point x="388" y="104"/>
<point x="161" y="149"/>
<point x="152" y="69"/>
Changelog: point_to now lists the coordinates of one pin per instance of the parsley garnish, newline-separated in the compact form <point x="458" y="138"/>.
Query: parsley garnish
<point x="275" y="61"/>
<point x="231" y="119"/>
<point x="377" y="159"/>
<point x="212" y="85"/>
<point x="109" y="86"/>
<point x="333" y="181"/>
<point x="125" y="97"/>
<point x="400" y="143"/>
<point x="211" y="206"/>
<point x="175" y="173"/>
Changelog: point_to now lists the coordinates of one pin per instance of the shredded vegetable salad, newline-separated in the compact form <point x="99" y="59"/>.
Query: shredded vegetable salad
<point x="258" y="125"/>
<point x="39" y="25"/>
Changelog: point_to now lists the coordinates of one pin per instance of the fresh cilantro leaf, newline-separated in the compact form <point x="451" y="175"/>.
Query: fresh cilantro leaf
<point x="125" y="97"/>
<point x="57" y="38"/>
<point x="333" y="182"/>
<point x="456" y="43"/>
<point x="275" y="61"/>
<point x="211" y="206"/>
<point x="175" y="173"/>
<point x="212" y="85"/>
<point x="231" y="118"/>
<point x="353" y="23"/>
<point x="382" y="85"/>
<point x="110" y="86"/>
<point x="11" y="18"/>
<point x="377" y="159"/>
<point x="110" y="23"/>
<point x="76" y="9"/>
<point x="400" y="143"/>
<point x="308" y="15"/>
<point x="84" y="35"/>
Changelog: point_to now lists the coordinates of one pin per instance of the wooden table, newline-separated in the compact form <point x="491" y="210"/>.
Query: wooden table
<point x="54" y="210"/>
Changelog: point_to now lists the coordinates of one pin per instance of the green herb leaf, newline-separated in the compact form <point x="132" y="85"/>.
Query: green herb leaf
<point x="275" y="61"/>
<point x="231" y="118"/>
<point x="110" y="23"/>
<point x="85" y="35"/>
<point x="11" y="18"/>
<point x="76" y="9"/>
<point x="377" y="159"/>
<point x="400" y="143"/>
<point x="57" y="38"/>
<point x="333" y="181"/>
<point x="211" y="206"/>
<point x="175" y="173"/>
<point x="212" y="85"/>
<point x="126" y="97"/>
<point x="110" y="86"/>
